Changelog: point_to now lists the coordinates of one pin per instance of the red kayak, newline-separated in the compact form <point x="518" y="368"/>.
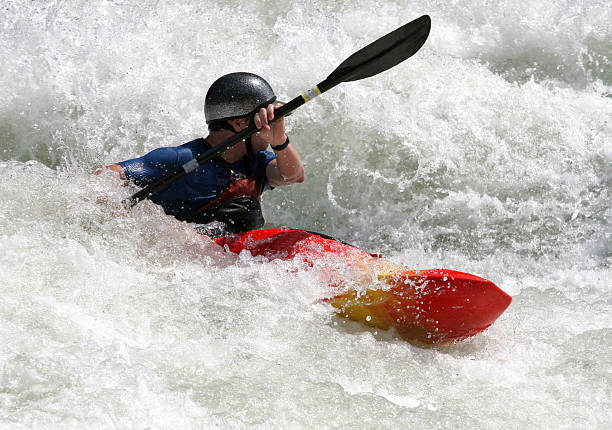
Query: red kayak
<point x="431" y="306"/>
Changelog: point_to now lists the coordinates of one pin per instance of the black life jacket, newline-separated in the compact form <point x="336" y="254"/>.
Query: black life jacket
<point x="238" y="206"/>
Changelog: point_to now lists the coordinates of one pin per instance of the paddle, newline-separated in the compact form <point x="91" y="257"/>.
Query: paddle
<point x="377" y="57"/>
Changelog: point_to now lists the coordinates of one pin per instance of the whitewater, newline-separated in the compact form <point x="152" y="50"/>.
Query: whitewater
<point x="488" y="152"/>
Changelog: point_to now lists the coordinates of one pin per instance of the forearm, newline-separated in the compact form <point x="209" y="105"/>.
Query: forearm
<point x="290" y="164"/>
<point x="287" y="168"/>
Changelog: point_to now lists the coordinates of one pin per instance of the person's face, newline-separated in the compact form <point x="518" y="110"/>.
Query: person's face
<point x="240" y="124"/>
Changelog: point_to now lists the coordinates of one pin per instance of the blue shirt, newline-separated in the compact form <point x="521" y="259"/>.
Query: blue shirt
<point x="194" y="190"/>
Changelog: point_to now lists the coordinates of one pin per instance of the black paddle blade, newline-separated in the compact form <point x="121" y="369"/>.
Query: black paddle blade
<point x="385" y="52"/>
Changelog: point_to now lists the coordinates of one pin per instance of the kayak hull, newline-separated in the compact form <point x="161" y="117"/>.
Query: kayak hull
<point x="433" y="306"/>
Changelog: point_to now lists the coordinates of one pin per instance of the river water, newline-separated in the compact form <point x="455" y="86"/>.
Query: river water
<point x="489" y="152"/>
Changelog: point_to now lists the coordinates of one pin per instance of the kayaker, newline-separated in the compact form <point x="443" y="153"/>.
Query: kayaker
<point x="228" y="188"/>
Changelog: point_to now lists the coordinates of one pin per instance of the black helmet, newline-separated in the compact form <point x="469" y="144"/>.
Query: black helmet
<point x="237" y="95"/>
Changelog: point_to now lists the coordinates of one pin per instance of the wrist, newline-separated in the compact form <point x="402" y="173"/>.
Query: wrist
<point x="278" y="140"/>
<point x="282" y="145"/>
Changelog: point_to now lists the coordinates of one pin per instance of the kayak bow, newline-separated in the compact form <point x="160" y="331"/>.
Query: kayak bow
<point x="433" y="306"/>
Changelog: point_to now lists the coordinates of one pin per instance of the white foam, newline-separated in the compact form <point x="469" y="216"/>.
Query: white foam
<point x="487" y="152"/>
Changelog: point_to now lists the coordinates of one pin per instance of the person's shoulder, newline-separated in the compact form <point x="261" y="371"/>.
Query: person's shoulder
<point x="174" y="154"/>
<point x="163" y="155"/>
<point x="196" y="146"/>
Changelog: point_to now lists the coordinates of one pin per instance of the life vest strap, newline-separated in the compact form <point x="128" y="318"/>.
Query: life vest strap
<point x="239" y="204"/>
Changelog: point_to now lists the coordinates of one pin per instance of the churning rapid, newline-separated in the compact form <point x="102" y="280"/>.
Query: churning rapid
<point x="489" y="152"/>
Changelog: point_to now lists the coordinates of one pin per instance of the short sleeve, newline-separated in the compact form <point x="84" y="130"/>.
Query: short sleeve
<point x="262" y="159"/>
<point x="152" y="166"/>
